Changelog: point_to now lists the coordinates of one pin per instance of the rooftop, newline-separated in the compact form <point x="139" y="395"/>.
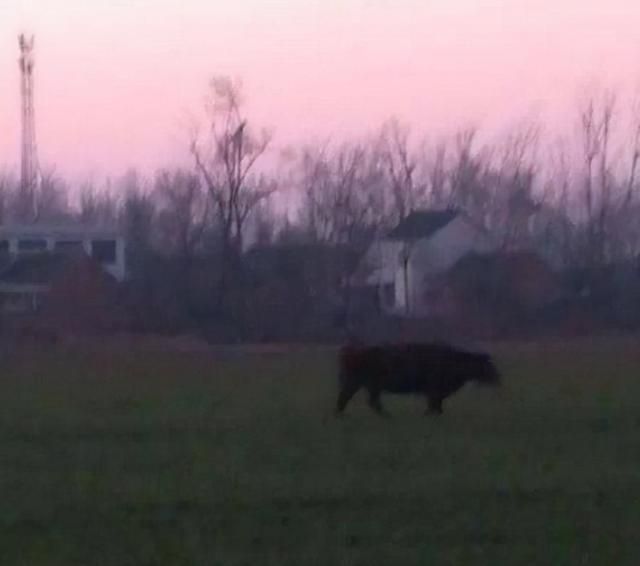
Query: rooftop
<point x="57" y="231"/>
<point x="422" y="224"/>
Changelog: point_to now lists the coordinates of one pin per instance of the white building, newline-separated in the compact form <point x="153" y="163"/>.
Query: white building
<point x="105" y="246"/>
<point x="423" y="245"/>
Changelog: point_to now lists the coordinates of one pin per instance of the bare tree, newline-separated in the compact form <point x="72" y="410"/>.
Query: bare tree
<point x="596" y="121"/>
<point x="468" y="177"/>
<point x="182" y="211"/>
<point x="623" y="235"/>
<point x="634" y="160"/>
<point x="400" y="163"/>
<point x="343" y="201"/>
<point x="227" y="164"/>
<point x="437" y="175"/>
<point x="514" y="202"/>
<point x="265" y="224"/>
<point x="97" y="207"/>
<point x="559" y="234"/>
<point x="52" y="203"/>
<point x="343" y="204"/>
<point x="137" y="216"/>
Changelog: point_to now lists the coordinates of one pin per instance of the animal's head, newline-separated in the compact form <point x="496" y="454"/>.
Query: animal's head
<point x="486" y="372"/>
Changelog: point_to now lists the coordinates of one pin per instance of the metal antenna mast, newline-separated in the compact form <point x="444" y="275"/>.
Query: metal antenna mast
<point x="30" y="178"/>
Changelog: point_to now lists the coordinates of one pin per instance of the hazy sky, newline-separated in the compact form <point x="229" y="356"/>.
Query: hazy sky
<point x="117" y="79"/>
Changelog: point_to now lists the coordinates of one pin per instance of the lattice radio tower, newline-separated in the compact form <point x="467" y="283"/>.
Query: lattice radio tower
<point x="30" y="178"/>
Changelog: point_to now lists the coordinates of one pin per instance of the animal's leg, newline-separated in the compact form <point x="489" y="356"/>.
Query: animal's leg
<point x="435" y="406"/>
<point x="345" y="395"/>
<point x="374" y="401"/>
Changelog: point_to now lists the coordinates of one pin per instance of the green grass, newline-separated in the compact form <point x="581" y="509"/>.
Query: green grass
<point x="183" y="459"/>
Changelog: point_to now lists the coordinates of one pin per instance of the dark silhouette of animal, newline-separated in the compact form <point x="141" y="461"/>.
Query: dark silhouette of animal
<point x="430" y="369"/>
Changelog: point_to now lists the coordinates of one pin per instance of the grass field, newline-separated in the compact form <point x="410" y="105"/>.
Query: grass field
<point x="187" y="459"/>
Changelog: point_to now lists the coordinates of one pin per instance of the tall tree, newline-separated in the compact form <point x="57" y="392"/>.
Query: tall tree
<point x="52" y="204"/>
<point x="182" y="212"/>
<point x="400" y="163"/>
<point x="227" y="162"/>
<point x="97" y="206"/>
<point x="468" y="186"/>
<point x="596" y="123"/>
<point x="343" y="193"/>
<point x="137" y="217"/>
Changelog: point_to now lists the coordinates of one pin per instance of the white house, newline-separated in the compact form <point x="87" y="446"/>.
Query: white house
<point x="103" y="245"/>
<point x="423" y="245"/>
<point x="30" y="256"/>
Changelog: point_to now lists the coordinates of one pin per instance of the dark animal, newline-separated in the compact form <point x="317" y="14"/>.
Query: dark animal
<point x="433" y="370"/>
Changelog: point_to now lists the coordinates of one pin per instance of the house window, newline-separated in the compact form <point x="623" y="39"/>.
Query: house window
<point x="32" y="245"/>
<point x="104" y="251"/>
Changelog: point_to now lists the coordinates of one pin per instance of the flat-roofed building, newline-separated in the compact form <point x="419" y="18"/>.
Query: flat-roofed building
<point x="106" y="246"/>
<point x="34" y="257"/>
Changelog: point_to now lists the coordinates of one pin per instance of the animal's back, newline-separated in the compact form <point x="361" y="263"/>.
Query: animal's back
<point x="434" y="369"/>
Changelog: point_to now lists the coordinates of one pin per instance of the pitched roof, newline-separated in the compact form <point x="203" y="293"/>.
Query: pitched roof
<point x="422" y="224"/>
<point x="59" y="231"/>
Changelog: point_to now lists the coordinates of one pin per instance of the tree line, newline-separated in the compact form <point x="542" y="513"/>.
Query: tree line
<point x="574" y="199"/>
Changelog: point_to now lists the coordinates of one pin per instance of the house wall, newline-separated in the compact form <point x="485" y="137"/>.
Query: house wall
<point x="383" y="257"/>
<point x="435" y="255"/>
<point x="440" y="252"/>
<point x="51" y="236"/>
<point x="429" y="256"/>
<point x="402" y="294"/>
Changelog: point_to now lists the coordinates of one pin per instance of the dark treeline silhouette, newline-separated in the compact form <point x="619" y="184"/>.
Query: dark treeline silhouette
<point x="207" y="252"/>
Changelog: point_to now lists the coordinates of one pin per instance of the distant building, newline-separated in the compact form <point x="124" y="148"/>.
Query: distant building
<point x="419" y="249"/>
<point x="33" y="257"/>
<point x="105" y="246"/>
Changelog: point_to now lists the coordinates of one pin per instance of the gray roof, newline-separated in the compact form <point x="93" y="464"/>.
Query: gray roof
<point x="57" y="231"/>
<point x="422" y="224"/>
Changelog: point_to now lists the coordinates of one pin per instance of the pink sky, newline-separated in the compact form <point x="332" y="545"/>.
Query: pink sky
<point x="117" y="79"/>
